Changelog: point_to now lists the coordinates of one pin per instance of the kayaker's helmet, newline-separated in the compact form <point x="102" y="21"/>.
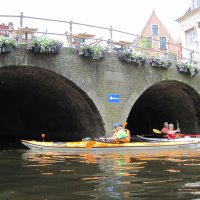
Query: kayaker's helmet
<point x="118" y="124"/>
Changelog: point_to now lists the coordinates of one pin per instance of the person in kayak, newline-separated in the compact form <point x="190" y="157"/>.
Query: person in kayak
<point x="172" y="133"/>
<point x="120" y="134"/>
<point x="165" y="128"/>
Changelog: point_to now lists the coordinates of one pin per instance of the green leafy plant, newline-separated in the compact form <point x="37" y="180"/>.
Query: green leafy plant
<point x="6" y="41"/>
<point x="188" y="67"/>
<point x="95" y="51"/>
<point x="161" y="61"/>
<point x="45" y="45"/>
<point x="129" y="56"/>
<point x="6" y="44"/>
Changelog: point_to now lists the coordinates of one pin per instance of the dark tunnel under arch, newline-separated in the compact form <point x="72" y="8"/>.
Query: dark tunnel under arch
<point x="170" y="101"/>
<point x="35" y="101"/>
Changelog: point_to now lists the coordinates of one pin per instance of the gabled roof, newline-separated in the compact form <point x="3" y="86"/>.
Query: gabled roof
<point x="145" y="27"/>
<point x="153" y="15"/>
<point x="188" y="14"/>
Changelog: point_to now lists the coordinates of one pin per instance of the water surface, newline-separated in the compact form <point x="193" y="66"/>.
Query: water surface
<point x="170" y="174"/>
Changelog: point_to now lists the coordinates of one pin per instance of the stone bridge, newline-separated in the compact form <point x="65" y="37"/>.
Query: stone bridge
<point x="66" y="96"/>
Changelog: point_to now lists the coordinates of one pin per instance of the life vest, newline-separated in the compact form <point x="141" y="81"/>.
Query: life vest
<point x="171" y="135"/>
<point x="128" y="139"/>
<point x="123" y="135"/>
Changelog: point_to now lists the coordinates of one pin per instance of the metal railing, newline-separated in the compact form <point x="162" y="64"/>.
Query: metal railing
<point x="112" y="36"/>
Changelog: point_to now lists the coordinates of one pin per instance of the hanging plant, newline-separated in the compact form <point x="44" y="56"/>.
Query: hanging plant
<point x="6" y="44"/>
<point x="161" y="61"/>
<point x="188" y="67"/>
<point x="95" y="51"/>
<point x="129" y="56"/>
<point x="44" y="45"/>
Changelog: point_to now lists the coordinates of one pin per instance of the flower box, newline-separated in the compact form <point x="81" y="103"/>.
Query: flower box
<point x="162" y="62"/>
<point x="7" y="44"/>
<point x="36" y="49"/>
<point x="6" y="48"/>
<point x="189" y="68"/>
<point x="94" y="51"/>
<point x="183" y="69"/>
<point x="44" y="45"/>
<point x="127" y="55"/>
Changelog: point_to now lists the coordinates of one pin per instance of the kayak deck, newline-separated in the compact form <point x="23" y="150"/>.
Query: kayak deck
<point x="101" y="145"/>
<point x="182" y="139"/>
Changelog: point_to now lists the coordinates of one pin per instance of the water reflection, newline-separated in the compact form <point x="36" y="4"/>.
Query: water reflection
<point x="100" y="175"/>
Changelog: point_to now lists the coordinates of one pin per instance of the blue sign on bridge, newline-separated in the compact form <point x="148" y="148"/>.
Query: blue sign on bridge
<point x="113" y="98"/>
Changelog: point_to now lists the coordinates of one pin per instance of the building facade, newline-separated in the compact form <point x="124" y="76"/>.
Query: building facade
<point x="155" y="38"/>
<point x="190" y="32"/>
<point x="6" y="30"/>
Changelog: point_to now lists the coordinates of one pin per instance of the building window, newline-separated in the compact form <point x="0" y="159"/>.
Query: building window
<point x="147" y="42"/>
<point x="195" y="4"/>
<point x="198" y="3"/>
<point x="163" y="43"/>
<point x="155" y="29"/>
<point x="190" y="37"/>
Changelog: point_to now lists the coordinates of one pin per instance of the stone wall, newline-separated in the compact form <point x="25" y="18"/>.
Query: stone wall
<point x="98" y="78"/>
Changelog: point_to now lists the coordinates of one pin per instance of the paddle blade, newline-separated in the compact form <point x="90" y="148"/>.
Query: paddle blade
<point x="90" y="144"/>
<point x="156" y="131"/>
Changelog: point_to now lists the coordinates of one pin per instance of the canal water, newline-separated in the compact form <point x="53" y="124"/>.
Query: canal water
<point x="169" y="174"/>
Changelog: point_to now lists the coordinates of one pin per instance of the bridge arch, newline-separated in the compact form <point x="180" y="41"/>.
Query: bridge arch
<point x="169" y="100"/>
<point x="35" y="100"/>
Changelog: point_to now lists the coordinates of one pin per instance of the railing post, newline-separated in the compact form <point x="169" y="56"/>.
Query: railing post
<point x="21" y="25"/>
<point x="141" y="43"/>
<point x="70" y="37"/>
<point x="111" y="38"/>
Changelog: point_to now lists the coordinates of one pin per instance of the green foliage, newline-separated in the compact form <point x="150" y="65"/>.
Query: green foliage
<point x="129" y="56"/>
<point x="161" y="61"/>
<point x="45" y="45"/>
<point x="188" y="67"/>
<point x="6" y="41"/>
<point x="95" y="51"/>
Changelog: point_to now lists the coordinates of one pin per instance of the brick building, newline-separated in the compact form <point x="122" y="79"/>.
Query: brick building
<point x="155" y="38"/>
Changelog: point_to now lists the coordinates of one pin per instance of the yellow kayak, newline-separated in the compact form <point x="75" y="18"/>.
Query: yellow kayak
<point x="39" y="145"/>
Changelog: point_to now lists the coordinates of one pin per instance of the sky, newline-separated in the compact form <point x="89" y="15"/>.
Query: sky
<point x="127" y="15"/>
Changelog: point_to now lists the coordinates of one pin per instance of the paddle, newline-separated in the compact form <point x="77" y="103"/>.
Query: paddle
<point x="91" y="144"/>
<point x="177" y="125"/>
<point x="177" y="134"/>
<point x="156" y="131"/>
